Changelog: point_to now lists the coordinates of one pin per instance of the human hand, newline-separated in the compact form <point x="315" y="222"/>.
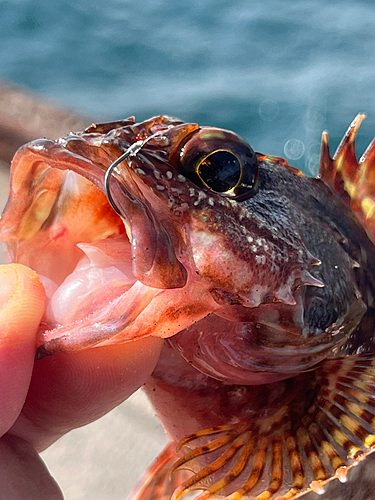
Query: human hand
<point x="40" y="401"/>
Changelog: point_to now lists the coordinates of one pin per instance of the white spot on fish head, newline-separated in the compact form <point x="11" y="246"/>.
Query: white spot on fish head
<point x="260" y="259"/>
<point x="201" y="195"/>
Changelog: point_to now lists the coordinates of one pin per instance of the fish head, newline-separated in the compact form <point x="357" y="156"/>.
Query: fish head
<point x="208" y="248"/>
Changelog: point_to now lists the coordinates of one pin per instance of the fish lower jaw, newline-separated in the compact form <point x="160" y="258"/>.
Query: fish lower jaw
<point x="101" y="302"/>
<point x="99" y="326"/>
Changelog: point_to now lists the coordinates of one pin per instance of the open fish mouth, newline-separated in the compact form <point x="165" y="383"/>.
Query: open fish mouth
<point x="108" y="277"/>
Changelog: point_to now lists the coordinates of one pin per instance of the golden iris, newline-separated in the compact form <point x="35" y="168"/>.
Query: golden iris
<point x="220" y="171"/>
<point x="220" y="161"/>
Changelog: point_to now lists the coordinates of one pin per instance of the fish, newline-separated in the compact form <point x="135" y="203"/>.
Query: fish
<point x="260" y="280"/>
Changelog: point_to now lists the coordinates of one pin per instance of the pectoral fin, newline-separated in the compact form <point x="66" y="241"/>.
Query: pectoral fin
<point x="323" y="432"/>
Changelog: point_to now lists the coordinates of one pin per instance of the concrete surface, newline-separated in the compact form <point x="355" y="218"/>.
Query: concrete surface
<point x="104" y="459"/>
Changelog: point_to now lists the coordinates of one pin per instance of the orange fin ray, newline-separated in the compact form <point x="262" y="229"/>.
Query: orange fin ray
<point x="352" y="180"/>
<point x="156" y="483"/>
<point x="204" y="432"/>
<point x="285" y="455"/>
<point x="202" y="450"/>
<point x="195" y="481"/>
<point x="233" y="473"/>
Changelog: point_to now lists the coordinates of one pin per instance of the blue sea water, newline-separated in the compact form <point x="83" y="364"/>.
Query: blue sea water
<point x="277" y="72"/>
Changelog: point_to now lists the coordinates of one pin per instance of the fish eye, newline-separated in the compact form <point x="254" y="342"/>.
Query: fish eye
<point x="220" y="171"/>
<point x="221" y="161"/>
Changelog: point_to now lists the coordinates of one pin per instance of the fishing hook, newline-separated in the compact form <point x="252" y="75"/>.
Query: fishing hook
<point x="132" y="150"/>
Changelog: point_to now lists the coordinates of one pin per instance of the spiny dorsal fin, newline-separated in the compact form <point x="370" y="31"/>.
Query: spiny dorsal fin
<point x="295" y="450"/>
<point x="352" y="180"/>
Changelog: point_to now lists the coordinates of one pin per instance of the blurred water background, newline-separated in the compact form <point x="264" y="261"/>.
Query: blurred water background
<point x="276" y="72"/>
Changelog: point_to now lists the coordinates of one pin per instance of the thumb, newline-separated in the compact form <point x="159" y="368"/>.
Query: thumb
<point x="22" y="303"/>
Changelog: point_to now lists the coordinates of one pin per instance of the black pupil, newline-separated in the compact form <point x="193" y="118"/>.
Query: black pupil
<point x="220" y="171"/>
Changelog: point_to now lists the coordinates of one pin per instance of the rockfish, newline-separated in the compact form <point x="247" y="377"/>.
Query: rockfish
<point x="260" y="279"/>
